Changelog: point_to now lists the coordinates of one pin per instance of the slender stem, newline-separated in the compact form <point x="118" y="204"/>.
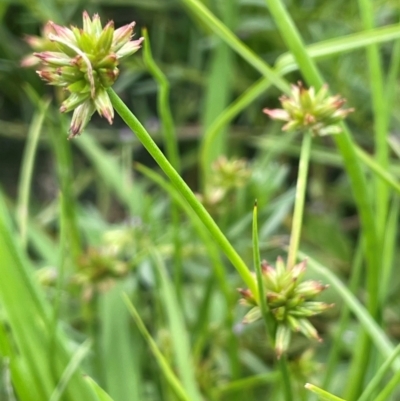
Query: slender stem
<point x="269" y="323"/>
<point x="168" y="126"/>
<point x="322" y="394"/>
<point x="380" y="109"/>
<point x="287" y="385"/>
<point x="146" y="140"/>
<point x="343" y="324"/>
<point x="299" y="200"/>
<point x="171" y="149"/>
<point x="376" y="381"/>
<point x="26" y="172"/>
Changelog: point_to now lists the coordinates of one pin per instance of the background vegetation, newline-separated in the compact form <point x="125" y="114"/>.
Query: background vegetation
<point x="83" y="222"/>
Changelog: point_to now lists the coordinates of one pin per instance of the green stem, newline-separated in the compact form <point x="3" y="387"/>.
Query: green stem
<point x="269" y="323"/>
<point x="322" y="394"/>
<point x="343" y="323"/>
<point x="380" y="106"/>
<point x="287" y="385"/>
<point x="376" y="381"/>
<point x="168" y="126"/>
<point x="171" y="149"/>
<point x="146" y="140"/>
<point x="299" y="200"/>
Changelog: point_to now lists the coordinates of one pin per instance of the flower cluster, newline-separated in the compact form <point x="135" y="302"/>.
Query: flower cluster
<point x="85" y="63"/>
<point x="227" y="175"/>
<point x="307" y="110"/>
<point x="290" y="302"/>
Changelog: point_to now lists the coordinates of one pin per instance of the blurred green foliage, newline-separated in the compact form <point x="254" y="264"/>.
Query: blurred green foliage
<point x="99" y="213"/>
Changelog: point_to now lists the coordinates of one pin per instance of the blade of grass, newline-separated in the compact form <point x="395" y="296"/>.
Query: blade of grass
<point x="389" y="388"/>
<point x="389" y="249"/>
<point x="28" y="317"/>
<point x="226" y="34"/>
<point x="378" y="170"/>
<point x="219" y="86"/>
<point x="246" y="383"/>
<point x="321" y="50"/>
<point x="70" y="369"/>
<point x="215" y="261"/>
<point x="375" y="332"/>
<point x="379" y="106"/>
<point x="375" y="382"/>
<point x="120" y="347"/>
<point x="180" y="340"/>
<point x="161" y="360"/>
<point x="27" y="165"/>
<point x="359" y="364"/>
<point x="322" y="394"/>
<point x="101" y="394"/>
<point x="334" y="351"/>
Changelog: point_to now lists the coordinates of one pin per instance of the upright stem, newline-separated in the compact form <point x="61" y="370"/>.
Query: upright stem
<point x="287" y="385"/>
<point x="299" y="200"/>
<point x="146" y="140"/>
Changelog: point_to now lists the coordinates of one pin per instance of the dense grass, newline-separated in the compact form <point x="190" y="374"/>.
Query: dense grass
<point x="118" y="282"/>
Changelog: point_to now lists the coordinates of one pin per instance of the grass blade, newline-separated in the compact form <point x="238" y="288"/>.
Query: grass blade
<point x="161" y="360"/>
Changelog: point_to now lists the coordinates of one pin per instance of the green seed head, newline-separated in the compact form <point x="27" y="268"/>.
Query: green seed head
<point x="306" y="110"/>
<point x="290" y="302"/>
<point x="84" y="62"/>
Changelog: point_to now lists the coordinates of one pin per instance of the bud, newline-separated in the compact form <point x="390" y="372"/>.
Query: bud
<point x="248" y="297"/>
<point x="282" y="340"/>
<point x="308" y="329"/>
<point x="105" y="40"/>
<point x="80" y="118"/>
<point x="122" y="36"/>
<point x="104" y="106"/>
<point x="310" y="289"/>
<point x="269" y="276"/>
<point x="73" y="101"/>
<point x="129" y="48"/>
<point x="253" y="315"/>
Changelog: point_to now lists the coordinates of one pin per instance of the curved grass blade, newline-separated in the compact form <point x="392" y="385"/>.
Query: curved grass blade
<point x="161" y="360"/>
<point x="377" y="335"/>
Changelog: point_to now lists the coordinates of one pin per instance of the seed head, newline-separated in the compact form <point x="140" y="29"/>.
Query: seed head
<point x="306" y="110"/>
<point x="289" y="300"/>
<point x="84" y="62"/>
